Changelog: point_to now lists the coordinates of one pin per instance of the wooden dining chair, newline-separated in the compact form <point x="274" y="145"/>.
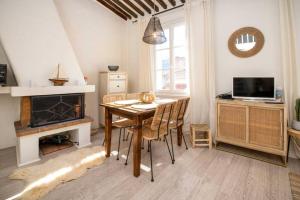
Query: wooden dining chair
<point x="123" y="123"/>
<point x="177" y="120"/>
<point x="137" y="96"/>
<point x="156" y="129"/>
<point x="131" y="96"/>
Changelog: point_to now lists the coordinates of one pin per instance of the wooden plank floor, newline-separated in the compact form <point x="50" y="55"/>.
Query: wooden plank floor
<point x="197" y="174"/>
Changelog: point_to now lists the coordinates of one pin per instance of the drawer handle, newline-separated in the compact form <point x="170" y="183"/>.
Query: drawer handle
<point x="118" y="76"/>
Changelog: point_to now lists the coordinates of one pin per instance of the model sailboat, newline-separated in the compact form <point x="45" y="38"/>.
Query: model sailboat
<point x="58" y="80"/>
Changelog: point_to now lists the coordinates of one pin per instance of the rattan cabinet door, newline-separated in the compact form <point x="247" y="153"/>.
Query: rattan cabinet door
<point x="232" y="122"/>
<point x="265" y="127"/>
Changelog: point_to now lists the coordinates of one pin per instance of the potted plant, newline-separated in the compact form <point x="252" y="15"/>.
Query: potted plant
<point x="296" y="123"/>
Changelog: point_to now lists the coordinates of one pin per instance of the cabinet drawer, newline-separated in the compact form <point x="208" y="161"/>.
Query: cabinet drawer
<point x="117" y="76"/>
<point x="117" y="86"/>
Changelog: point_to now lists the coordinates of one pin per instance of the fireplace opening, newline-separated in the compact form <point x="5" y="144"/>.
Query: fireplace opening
<point x="51" y="109"/>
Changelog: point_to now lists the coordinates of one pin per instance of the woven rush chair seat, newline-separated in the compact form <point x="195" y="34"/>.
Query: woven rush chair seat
<point x="123" y="123"/>
<point x="148" y="133"/>
<point x="174" y="124"/>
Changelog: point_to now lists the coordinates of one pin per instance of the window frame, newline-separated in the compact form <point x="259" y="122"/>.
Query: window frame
<point x="171" y="92"/>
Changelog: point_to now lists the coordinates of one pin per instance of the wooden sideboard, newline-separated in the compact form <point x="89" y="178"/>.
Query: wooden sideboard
<point x="254" y="125"/>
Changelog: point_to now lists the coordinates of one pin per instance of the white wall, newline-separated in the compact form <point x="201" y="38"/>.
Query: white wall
<point x="131" y="52"/>
<point x="9" y="110"/>
<point x="231" y="15"/>
<point x="97" y="36"/>
<point x="297" y="27"/>
<point x="35" y="42"/>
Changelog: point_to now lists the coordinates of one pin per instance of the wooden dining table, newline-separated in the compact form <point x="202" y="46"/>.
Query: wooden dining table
<point x="138" y="116"/>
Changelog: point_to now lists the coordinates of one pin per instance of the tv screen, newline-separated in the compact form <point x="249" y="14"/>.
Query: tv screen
<point x="254" y="87"/>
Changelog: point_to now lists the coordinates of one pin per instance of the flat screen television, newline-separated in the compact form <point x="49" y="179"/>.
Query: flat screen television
<point x="254" y="88"/>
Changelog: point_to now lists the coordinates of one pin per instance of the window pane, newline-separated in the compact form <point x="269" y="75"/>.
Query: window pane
<point x="180" y="69"/>
<point x="163" y="79"/>
<point x="167" y="43"/>
<point x="179" y="35"/>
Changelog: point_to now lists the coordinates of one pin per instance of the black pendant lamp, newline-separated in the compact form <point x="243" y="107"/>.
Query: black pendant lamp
<point x="154" y="33"/>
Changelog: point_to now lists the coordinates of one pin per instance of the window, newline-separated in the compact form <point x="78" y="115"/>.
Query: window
<point x="171" y="70"/>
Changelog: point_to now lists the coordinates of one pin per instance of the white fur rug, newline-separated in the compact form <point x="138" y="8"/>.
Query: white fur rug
<point x="45" y="177"/>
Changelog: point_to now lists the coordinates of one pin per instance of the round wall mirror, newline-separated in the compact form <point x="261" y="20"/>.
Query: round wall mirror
<point x="246" y="42"/>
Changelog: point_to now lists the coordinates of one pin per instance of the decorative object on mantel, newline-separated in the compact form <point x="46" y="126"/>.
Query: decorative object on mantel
<point x="147" y="97"/>
<point x="58" y="80"/>
<point x="3" y="74"/>
<point x="56" y="171"/>
<point x="296" y="122"/>
<point x="246" y="42"/>
<point x="113" y="68"/>
<point x="154" y="33"/>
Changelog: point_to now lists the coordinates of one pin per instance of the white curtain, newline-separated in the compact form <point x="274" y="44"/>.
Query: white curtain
<point x="289" y="67"/>
<point x="288" y="54"/>
<point x="199" y="23"/>
<point x="145" y="58"/>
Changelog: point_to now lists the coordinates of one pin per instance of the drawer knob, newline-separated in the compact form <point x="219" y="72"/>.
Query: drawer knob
<point x="118" y="76"/>
<point x="118" y="86"/>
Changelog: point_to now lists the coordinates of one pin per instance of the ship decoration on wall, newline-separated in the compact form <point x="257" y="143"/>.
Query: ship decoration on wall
<point x="59" y="80"/>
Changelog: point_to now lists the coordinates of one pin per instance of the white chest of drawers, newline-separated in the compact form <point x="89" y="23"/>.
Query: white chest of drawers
<point x="111" y="83"/>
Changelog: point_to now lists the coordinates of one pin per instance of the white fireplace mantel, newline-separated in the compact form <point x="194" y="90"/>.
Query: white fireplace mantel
<point x="49" y="90"/>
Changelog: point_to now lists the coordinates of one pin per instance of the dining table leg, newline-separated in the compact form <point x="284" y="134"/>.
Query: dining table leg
<point x="108" y="128"/>
<point x="179" y="135"/>
<point x="137" y="140"/>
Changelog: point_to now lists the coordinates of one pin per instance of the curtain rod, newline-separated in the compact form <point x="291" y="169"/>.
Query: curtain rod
<point x="168" y="10"/>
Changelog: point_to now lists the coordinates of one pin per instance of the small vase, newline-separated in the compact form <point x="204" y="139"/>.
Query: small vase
<point x="296" y="125"/>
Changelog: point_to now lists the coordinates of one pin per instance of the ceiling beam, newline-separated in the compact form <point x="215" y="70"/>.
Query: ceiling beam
<point x="129" y="3"/>
<point x="162" y="3"/>
<point x="118" y="9"/>
<point x="152" y="5"/>
<point x="119" y="3"/>
<point x="107" y="5"/>
<point x="172" y="2"/>
<point x="141" y="3"/>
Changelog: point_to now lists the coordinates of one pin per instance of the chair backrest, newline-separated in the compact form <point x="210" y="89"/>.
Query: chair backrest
<point x="161" y="119"/>
<point x="180" y="110"/>
<point x="131" y="96"/>
<point x="113" y="97"/>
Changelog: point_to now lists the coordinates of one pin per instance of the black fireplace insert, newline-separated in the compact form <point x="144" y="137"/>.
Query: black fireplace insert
<point x="51" y="109"/>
